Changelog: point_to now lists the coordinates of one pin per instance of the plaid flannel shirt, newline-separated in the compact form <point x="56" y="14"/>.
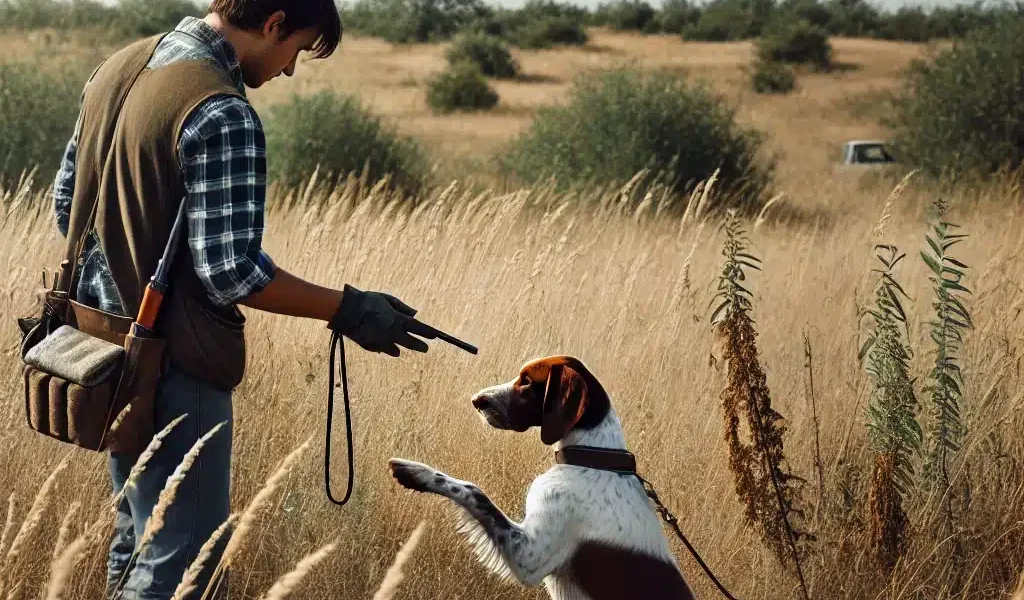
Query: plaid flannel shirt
<point x="222" y="154"/>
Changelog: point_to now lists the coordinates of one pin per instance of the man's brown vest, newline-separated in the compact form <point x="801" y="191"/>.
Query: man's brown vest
<point x="131" y="167"/>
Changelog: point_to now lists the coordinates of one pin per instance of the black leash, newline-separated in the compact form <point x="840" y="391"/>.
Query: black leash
<point x="674" y="523"/>
<point x="624" y="463"/>
<point x="338" y="343"/>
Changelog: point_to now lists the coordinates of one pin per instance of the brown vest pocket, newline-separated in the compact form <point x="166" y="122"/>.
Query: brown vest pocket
<point x="204" y="342"/>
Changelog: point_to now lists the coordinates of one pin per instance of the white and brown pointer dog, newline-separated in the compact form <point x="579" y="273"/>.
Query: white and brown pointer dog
<point x="589" y="533"/>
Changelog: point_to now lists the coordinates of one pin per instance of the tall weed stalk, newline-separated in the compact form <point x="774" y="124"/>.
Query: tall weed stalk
<point x="945" y="381"/>
<point x="770" y="493"/>
<point x="893" y="430"/>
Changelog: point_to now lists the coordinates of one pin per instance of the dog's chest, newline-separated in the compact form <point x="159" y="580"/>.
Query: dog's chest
<point x="601" y="506"/>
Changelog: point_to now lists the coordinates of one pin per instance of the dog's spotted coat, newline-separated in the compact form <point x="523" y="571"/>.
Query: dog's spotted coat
<point x="587" y="534"/>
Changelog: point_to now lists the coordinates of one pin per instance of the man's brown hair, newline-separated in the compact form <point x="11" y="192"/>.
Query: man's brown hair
<point x="299" y="14"/>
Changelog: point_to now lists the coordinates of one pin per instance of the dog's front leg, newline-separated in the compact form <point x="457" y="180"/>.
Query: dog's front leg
<point x="529" y="551"/>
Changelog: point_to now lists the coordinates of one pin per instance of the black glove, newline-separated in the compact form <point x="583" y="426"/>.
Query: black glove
<point x="377" y="322"/>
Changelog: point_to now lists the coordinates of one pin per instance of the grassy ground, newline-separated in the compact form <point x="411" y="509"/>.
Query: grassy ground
<point x="528" y="274"/>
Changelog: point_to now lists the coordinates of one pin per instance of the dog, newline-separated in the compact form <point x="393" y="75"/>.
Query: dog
<point x="588" y="533"/>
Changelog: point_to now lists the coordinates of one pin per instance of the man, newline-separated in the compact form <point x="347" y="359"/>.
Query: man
<point x="193" y="84"/>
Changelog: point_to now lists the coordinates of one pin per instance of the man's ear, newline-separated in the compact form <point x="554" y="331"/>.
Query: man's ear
<point x="273" y="27"/>
<point x="565" y="399"/>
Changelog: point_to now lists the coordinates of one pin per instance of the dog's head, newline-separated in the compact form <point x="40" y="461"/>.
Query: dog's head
<point x="556" y="393"/>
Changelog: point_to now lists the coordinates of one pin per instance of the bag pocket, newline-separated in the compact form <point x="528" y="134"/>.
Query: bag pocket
<point x="136" y="391"/>
<point x="69" y="381"/>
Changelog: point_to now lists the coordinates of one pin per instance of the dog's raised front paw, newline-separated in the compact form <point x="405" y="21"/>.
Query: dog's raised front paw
<point x="415" y="476"/>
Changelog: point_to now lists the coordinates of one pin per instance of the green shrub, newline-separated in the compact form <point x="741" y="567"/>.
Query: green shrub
<point x="795" y="42"/>
<point x="336" y="133"/>
<point x="627" y="15"/>
<point x="547" y="32"/>
<point x="813" y="11"/>
<point x="141" y="18"/>
<point x="961" y="112"/>
<point x="461" y="87"/>
<point x="909" y="23"/>
<point x="59" y="14"/>
<point x="676" y="15"/>
<point x="38" y="111"/>
<point x="538" y="24"/>
<point x="854" y="18"/>
<point x="730" y="20"/>
<point x="487" y="51"/>
<point x="413" y="21"/>
<point x="772" y="77"/>
<point x="128" y="19"/>
<point x="620" y="122"/>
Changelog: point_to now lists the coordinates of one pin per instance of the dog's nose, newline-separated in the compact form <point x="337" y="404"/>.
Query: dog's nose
<point x="480" y="402"/>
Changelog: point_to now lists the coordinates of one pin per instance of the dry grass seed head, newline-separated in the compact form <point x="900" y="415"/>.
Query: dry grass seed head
<point x="189" y="582"/>
<point x="146" y="456"/>
<point x="260" y="501"/>
<point x="1019" y="594"/>
<point x="65" y="529"/>
<point x="395" y="575"/>
<point x="35" y="514"/>
<point x="62" y="567"/>
<point x="288" y="582"/>
<point x="8" y="523"/>
<point x="883" y="220"/>
<point x="166" y="498"/>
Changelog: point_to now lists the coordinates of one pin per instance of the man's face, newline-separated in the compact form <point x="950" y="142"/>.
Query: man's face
<point x="276" y="54"/>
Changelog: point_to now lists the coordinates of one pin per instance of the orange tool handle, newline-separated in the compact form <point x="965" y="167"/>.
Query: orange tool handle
<point x="150" y="308"/>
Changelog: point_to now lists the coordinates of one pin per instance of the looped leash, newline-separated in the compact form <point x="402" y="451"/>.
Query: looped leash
<point x="338" y="344"/>
<point x="623" y="463"/>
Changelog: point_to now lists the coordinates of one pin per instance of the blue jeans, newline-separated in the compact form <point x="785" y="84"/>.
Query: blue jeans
<point x="202" y="502"/>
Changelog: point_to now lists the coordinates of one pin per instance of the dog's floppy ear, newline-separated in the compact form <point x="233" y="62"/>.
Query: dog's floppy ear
<point x="565" y="399"/>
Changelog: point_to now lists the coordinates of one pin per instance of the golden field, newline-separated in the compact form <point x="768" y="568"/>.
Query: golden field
<point x="529" y="273"/>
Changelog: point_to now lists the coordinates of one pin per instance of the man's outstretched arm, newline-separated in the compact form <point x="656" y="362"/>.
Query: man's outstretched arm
<point x="289" y="295"/>
<point x="223" y="156"/>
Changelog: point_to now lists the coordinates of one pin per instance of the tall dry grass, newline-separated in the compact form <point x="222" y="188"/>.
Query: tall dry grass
<point x="627" y="290"/>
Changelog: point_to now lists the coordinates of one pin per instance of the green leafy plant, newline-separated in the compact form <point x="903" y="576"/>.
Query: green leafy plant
<point x="772" y="77"/>
<point x="487" y="51"/>
<point x="676" y="15"/>
<point x="795" y="42"/>
<point x="771" y="494"/>
<point x="38" y="111"/>
<point x="729" y="20"/>
<point x="960" y="112"/>
<point x="339" y="136"/>
<point x="894" y="432"/>
<point x="945" y="381"/>
<point x="461" y="87"/>
<point x="627" y="15"/>
<point x="619" y="122"/>
<point x="413" y="21"/>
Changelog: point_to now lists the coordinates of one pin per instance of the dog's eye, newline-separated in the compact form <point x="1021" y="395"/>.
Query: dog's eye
<point x="524" y="380"/>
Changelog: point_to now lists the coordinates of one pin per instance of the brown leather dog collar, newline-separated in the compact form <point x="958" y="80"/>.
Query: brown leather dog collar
<point x="604" y="459"/>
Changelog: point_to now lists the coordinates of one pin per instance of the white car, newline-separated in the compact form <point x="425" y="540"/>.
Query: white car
<point x="866" y="152"/>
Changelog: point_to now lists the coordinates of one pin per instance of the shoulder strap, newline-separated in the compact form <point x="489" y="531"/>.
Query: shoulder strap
<point x="78" y="232"/>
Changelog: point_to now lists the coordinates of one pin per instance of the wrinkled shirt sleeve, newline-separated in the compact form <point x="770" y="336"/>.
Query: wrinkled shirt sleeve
<point x="222" y="152"/>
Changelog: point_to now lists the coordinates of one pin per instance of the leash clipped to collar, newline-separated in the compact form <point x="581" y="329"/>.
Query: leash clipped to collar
<point x="624" y="463"/>
<point x="338" y="346"/>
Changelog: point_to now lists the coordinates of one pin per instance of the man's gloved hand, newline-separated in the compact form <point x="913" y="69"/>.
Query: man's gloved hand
<point x="377" y="322"/>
